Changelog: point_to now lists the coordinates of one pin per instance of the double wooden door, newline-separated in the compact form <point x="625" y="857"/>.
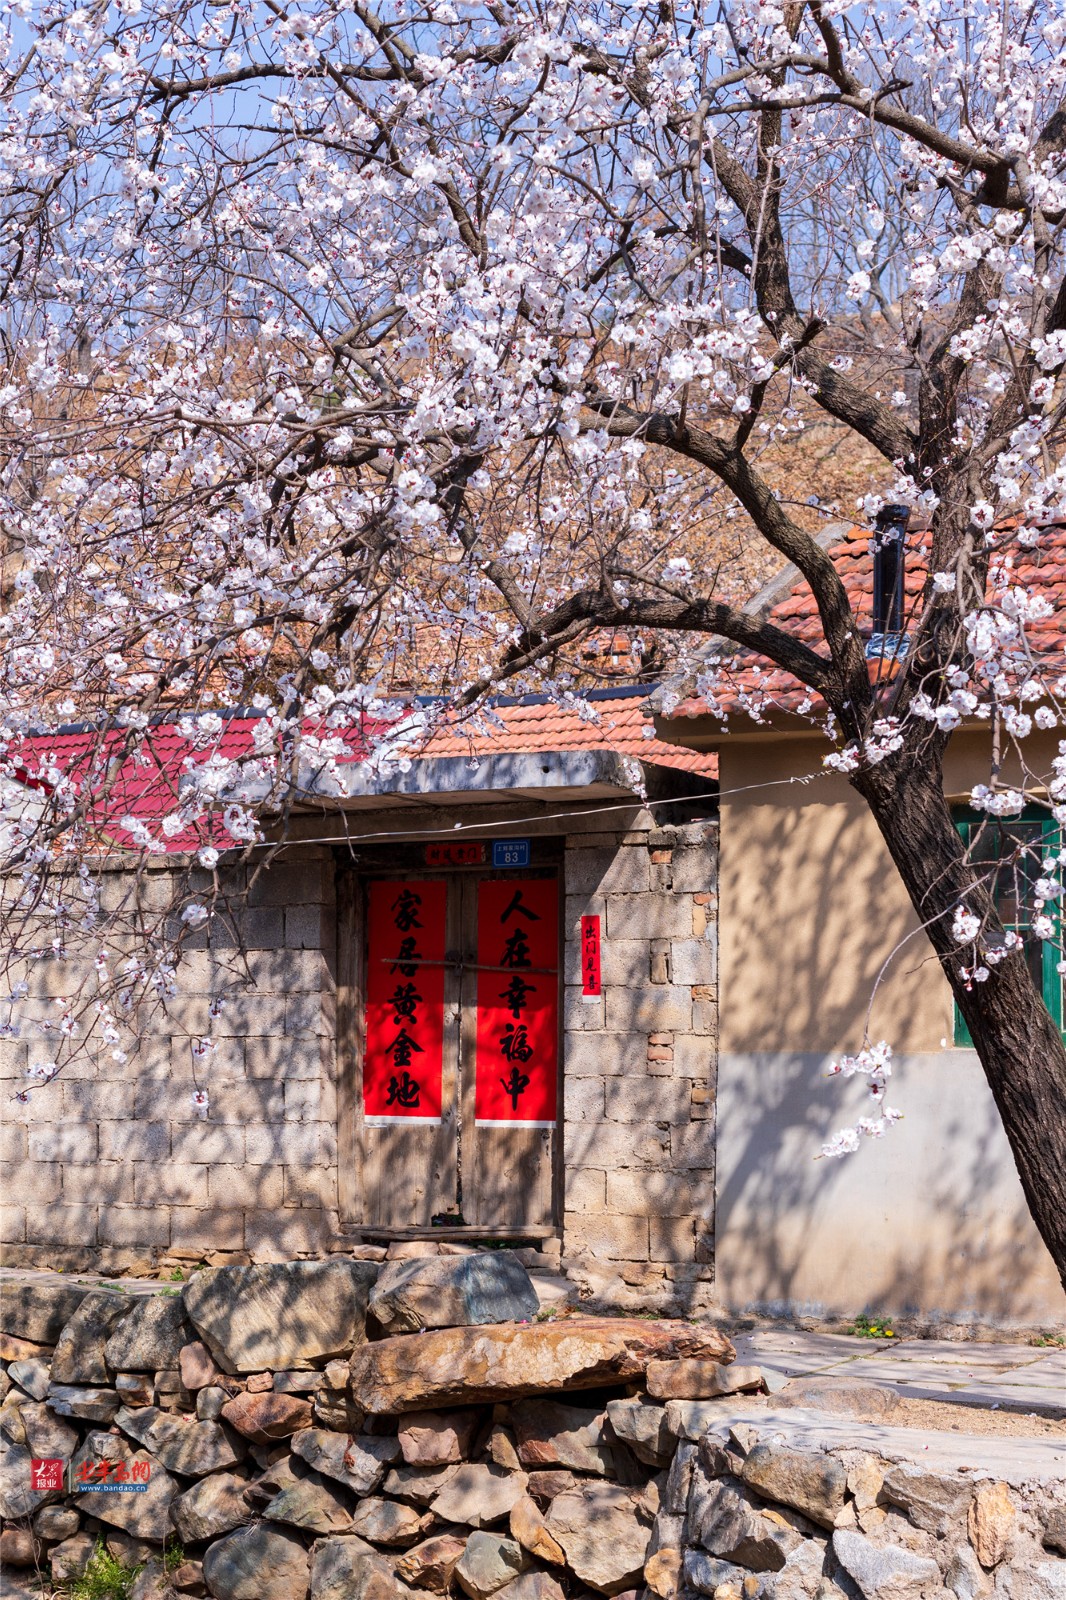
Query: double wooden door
<point x="463" y="967"/>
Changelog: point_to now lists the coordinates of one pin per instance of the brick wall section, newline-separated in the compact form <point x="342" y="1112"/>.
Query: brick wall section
<point x="640" y="1067"/>
<point x="111" y="1163"/>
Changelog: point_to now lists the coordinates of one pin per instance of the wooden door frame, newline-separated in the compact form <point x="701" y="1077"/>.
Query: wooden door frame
<point x="352" y="881"/>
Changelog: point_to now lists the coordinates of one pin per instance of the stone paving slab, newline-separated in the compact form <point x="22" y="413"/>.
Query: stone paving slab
<point x="1023" y="1377"/>
<point x="1013" y="1459"/>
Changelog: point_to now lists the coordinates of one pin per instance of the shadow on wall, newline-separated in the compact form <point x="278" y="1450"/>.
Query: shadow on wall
<point x="930" y="1219"/>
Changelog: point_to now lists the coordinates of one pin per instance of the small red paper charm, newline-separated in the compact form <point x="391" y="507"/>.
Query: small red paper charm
<point x="591" y="984"/>
<point x="404" y="1050"/>
<point x="517" y="1003"/>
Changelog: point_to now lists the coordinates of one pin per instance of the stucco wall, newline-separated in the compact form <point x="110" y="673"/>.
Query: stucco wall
<point x="933" y="1217"/>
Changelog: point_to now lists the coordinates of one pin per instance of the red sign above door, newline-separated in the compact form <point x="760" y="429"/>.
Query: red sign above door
<point x="404" y="1052"/>
<point x="517" y="1003"/>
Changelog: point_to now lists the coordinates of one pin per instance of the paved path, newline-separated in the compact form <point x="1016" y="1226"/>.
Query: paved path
<point x="1016" y="1377"/>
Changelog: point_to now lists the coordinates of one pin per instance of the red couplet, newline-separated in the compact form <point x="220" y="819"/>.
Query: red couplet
<point x="591" y="985"/>
<point x="517" y="1003"/>
<point x="404" y="1002"/>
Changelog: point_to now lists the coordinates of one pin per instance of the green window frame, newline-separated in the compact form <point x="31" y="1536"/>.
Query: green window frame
<point x="987" y="835"/>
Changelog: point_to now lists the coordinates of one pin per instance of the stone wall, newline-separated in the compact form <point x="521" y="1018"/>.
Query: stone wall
<point x="640" y="1066"/>
<point x="111" y="1166"/>
<point x="357" y="1430"/>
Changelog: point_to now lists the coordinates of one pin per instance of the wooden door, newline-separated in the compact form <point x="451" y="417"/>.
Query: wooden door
<point x="403" y="1173"/>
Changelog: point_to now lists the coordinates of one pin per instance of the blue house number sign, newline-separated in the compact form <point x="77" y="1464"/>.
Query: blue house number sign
<point x="510" y="853"/>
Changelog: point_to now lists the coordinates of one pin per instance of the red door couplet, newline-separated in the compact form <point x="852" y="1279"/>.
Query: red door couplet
<point x="404" y="1050"/>
<point x="517" y="1003"/>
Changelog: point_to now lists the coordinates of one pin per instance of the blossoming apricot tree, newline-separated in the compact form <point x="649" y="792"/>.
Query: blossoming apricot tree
<point x="333" y="328"/>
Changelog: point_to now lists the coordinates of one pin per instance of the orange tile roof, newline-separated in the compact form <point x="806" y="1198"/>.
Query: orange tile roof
<point x="622" y="723"/>
<point x="746" y="677"/>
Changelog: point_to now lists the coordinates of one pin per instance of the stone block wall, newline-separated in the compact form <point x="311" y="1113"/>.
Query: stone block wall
<point x="111" y="1164"/>
<point x="640" y="1067"/>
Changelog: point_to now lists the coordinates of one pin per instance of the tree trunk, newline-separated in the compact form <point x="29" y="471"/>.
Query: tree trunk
<point x="1018" y="1044"/>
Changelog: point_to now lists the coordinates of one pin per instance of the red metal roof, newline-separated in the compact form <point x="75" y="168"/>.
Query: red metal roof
<point x="143" y="788"/>
<point x="747" y="679"/>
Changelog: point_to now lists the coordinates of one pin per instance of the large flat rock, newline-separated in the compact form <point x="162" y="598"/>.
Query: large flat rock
<point x="144" y="1514"/>
<point x="453" y="1292"/>
<point x="39" y="1311"/>
<point x="79" y="1352"/>
<point x="150" y="1336"/>
<point x="511" y="1360"/>
<point x="280" y="1314"/>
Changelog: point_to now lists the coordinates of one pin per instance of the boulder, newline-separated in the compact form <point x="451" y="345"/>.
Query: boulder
<point x="479" y="1494"/>
<point x="209" y="1403"/>
<point x="303" y="1382"/>
<point x="420" y="1484"/>
<point x="151" y="1583"/>
<point x="730" y="1526"/>
<point x="990" y="1522"/>
<point x="704" y="1574"/>
<point x="17" y="1498"/>
<point x="313" y="1503"/>
<point x="502" y="1447"/>
<point x="488" y="1563"/>
<point x="643" y="1428"/>
<point x="462" y="1365"/>
<point x="453" y="1292"/>
<point x="389" y="1522"/>
<point x="436" y="1438"/>
<point x="346" y="1568"/>
<point x="551" y="1434"/>
<point x="847" y="1397"/>
<point x="18" y="1548"/>
<point x="330" y="1409"/>
<point x="813" y="1484"/>
<point x="266" y="1417"/>
<point x="430" y="1565"/>
<point x="92" y="1405"/>
<point x="135" y="1388"/>
<point x="1054" y="1530"/>
<point x="282" y="1314"/>
<point x="931" y="1500"/>
<point x="190" y="1448"/>
<point x="544" y="1486"/>
<point x="144" y="1515"/>
<point x="1031" y="1580"/>
<point x="12" y="1349"/>
<point x="531" y="1530"/>
<point x="531" y="1586"/>
<point x="884" y="1572"/>
<point x="32" y="1376"/>
<point x="79" y="1352"/>
<point x="188" y="1578"/>
<point x="212" y="1507"/>
<point x="604" y="1534"/>
<point x="258" y="1563"/>
<point x="39" y="1311"/>
<point x="56" y="1522"/>
<point x="358" y="1463"/>
<point x="47" y="1436"/>
<point x="662" y="1573"/>
<point x="150" y="1336"/>
<point x="70" y="1559"/>
<point x="197" y="1366"/>
<point x="699" y="1380"/>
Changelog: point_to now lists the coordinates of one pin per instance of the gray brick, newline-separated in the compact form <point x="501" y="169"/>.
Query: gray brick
<point x="279" y="1236"/>
<point x="580" y="1015"/>
<point x="577" y="906"/>
<point x="288" y="883"/>
<point x="306" y="927"/>
<point x="661" y="1194"/>
<point x="293" y="1143"/>
<point x="148" y="1225"/>
<point x="170" y="1183"/>
<point x="134" y="1141"/>
<point x="100" y="1102"/>
<point x="694" y="960"/>
<point x="649" y="916"/>
<point x="60" y="1224"/>
<point x="615" y="1145"/>
<point x="13" y="1058"/>
<point x="693" y="1147"/>
<point x="203" y="1143"/>
<point x="12" y="1224"/>
<point x="263" y="927"/>
<point x="288" y="1056"/>
<point x="624" y="870"/>
<point x="646" y="1100"/>
<point x="606" y="1238"/>
<point x="64" y="1142"/>
<point x="585" y="1190"/>
<point x="583" y="1100"/>
<point x="310" y="1013"/>
<point x="696" y="869"/>
<point x="215" y="1229"/>
<point x="33" y="1183"/>
<point x="595" y="1055"/>
<point x="226" y="1062"/>
<point x="13" y="1141"/>
<point x="308" y="1100"/>
<point x="104" y="1180"/>
<point x="624" y="961"/>
<point x="660" y="1008"/>
<point x="251" y="1188"/>
<point x="310" y="1186"/>
<point x="695" y="1057"/>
